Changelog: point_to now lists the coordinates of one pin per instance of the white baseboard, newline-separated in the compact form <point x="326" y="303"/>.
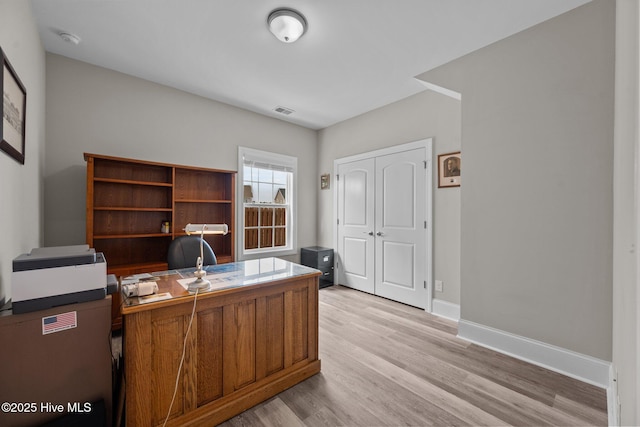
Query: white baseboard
<point x="445" y="309"/>
<point x="575" y="365"/>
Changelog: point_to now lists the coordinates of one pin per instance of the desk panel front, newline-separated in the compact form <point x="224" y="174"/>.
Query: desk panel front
<point x="244" y="344"/>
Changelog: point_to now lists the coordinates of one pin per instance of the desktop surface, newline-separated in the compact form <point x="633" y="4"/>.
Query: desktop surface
<point x="172" y="284"/>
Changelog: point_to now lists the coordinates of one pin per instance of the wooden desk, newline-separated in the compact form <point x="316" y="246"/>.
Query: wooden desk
<point x="248" y="342"/>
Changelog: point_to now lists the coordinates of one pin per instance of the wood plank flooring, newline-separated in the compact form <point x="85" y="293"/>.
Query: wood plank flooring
<point x="388" y="364"/>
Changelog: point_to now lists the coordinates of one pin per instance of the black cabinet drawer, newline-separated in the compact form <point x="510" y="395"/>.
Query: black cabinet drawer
<point x="327" y="275"/>
<point x="316" y="257"/>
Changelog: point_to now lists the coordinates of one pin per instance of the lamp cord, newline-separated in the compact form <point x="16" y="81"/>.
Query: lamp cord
<point x="184" y="348"/>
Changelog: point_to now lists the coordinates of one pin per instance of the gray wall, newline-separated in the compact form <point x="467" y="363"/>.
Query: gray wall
<point x="427" y="114"/>
<point x="96" y="110"/>
<point x="626" y="286"/>
<point x="21" y="186"/>
<point x="537" y="146"/>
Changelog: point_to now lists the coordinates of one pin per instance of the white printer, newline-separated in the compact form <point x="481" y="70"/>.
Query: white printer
<point x="49" y="277"/>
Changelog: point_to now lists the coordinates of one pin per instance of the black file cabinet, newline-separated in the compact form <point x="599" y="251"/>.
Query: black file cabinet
<point x="321" y="259"/>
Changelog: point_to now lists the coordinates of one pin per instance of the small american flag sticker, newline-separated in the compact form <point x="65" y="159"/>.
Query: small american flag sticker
<point x="59" y="322"/>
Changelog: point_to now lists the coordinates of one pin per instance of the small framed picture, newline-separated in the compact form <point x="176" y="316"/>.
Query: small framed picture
<point x="449" y="170"/>
<point x="14" y="104"/>
<point x="324" y="181"/>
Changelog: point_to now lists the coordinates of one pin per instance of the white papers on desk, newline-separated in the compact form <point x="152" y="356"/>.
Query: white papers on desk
<point x="153" y="298"/>
<point x="218" y="280"/>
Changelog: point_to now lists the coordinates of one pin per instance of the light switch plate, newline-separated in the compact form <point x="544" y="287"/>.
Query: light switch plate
<point x="438" y="285"/>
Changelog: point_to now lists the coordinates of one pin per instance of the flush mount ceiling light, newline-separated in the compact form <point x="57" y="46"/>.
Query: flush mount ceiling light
<point x="287" y="25"/>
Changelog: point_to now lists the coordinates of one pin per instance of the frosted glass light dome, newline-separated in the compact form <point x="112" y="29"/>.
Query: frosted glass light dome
<point x="287" y="25"/>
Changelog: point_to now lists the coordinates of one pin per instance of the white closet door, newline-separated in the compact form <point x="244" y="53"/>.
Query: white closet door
<point x="356" y="224"/>
<point x="400" y="227"/>
<point x="382" y="235"/>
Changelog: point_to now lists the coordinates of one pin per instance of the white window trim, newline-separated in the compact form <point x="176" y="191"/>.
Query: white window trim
<point x="276" y="159"/>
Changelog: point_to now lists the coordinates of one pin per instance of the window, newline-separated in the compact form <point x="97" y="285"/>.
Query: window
<point x="267" y="203"/>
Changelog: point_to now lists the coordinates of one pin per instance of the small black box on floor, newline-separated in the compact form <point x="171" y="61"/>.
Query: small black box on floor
<point x="321" y="259"/>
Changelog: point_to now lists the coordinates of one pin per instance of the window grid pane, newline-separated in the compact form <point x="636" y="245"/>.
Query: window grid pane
<point x="280" y="216"/>
<point x="251" y="238"/>
<point x="266" y="237"/>
<point x="280" y="236"/>
<point x="251" y="217"/>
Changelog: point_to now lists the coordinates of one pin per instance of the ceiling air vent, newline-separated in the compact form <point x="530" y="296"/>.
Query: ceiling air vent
<point x="283" y="110"/>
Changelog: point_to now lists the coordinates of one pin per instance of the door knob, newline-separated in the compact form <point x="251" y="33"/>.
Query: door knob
<point x="370" y="233"/>
<point x="379" y="233"/>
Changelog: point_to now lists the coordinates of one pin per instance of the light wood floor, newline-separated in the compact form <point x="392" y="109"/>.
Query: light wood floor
<point x="387" y="364"/>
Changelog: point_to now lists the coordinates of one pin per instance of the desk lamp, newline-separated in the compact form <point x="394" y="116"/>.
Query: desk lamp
<point x="202" y="284"/>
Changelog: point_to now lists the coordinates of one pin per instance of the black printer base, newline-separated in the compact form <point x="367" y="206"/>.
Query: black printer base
<point x="28" y="306"/>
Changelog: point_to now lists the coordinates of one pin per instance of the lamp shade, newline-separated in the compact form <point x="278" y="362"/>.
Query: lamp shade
<point x="287" y="25"/>
<point x="206" y="229"/>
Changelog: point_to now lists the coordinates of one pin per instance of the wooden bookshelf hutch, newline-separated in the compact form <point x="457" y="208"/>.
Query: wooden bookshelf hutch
<point x="128" y="201"/>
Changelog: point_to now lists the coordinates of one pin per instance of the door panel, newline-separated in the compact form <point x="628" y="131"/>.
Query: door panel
<point x="397" y="255"/>
<point x="399" y="191"/>
<point x="356" y="223"/>
<point x="400" y="231"/>
<point x="355" y="259"/>
<point x="355" y="202"/>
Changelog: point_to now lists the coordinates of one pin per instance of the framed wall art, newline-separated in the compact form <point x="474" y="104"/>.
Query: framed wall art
<point x="14" y="106"/>
<point x="449" y="170"/>
<point x="324" y="181"/>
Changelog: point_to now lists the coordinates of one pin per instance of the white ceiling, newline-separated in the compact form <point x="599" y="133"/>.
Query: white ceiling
<point x="357" y="55"/>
